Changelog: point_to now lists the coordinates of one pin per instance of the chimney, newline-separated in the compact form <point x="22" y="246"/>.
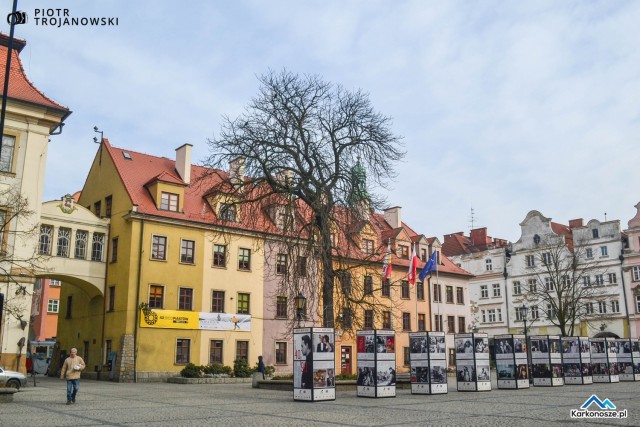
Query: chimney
<point x="183" y="162"/>
<point x="393" y="217"/>
<point x="479" y="236"/>
<point x="574" y="223"/>
<point x="236" y="170"/>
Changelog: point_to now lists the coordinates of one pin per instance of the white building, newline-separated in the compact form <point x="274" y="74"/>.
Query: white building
<point x="631" y="272"/>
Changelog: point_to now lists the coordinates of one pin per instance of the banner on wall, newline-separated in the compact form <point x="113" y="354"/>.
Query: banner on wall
<point x="175" y="319"/>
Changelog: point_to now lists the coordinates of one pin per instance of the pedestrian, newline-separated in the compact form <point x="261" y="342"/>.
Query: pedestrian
<point x="261" y="367"/>
<point x="71" y="369"/>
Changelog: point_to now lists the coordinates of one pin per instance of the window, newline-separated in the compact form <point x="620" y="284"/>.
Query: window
<point x="519" y="314"/>
<point x="437" y="320"/>
<point x="484" y="291"/>
<point x="488" y="265"/>
<point x="183" y="347"/>
<point x="185" y="299"/>
<point x="551" y="312"/>
<point x="215" y="352"/>
<point x="114" y="249"/>
<point x="548" y="283"/>
<point x="599" y="279"/>
<point x="6" y="159"/>
<point x="459" y="295"/>
<point x="449" y="294"/>
<point x="368" y="285"/>
<point x="536" y="240"/>
<point x="302" y="266"/>
<point x="367" y="246"/>
<point x="404" y="289"/>
<point x="112" y="299"/>
<point x="484" y="316"/>
<point x="53" y="306"/>
<point x="281" y="307"/>
<point x="187" y="251"/>
<point x="492" y="315"/>
<point x="589" y="253"/>
<point x="533" y="286"/>
<point x="422" y="322"/>
<point x="107" y="206"/>
<point x="368" y="319"/>
<point x="156" y="296"/>
<point x="81" y="244"/>
<point x="244" y="259"/>
<point x="602" y="307"/>
<point x="64" y="241"/>
<point x="531" y="261"/>
<point x="594" y="233"/>
<point x="46" y="232"/>
<point x="615" y="306"/>
<point x="462" y="325"/>
<point x="496" y="289"/>
<point x="604" y="251"/>
<point x="637" y="303"/>
<point x="589" y="307"/>
<point x="386" y="320"/>
<point x="420" y="291"/>
<point x="242" y="350"/>
<point x="517" y="288"/>
<point x="281" y="353"/>
<point x="406" y="321"/>
<point x="227" y="212"/>
<point x="69" y="306"/>
<point x="403" y="252"/>
<point x="219" y="255"/>
<point x="613" y="279"/>
<point x="97" y="208"/>
<point x="386" y="288"/>
<point x="54" y="282"/>
<point x="347" y="318"/>
<point x="169" y="201"/>
<point x="423" y="255"/>
<point x="344" y="277"/>
<point x="281" y="264"/>
<point x="243" y="303"/>
<point x="159" y="247"/>
<point x="97" y="246"/>
<point x="546" y="258"/>
<point x="534" y="312"/>
<point x="451" y="324"/>
<point x="437" y="292"/>
<point x="635" y="270"/>
<point x="586" y="280"/>
<point x="334" y="241"/>
<point x="217" y="302"/>
<point x="406" y="356"/>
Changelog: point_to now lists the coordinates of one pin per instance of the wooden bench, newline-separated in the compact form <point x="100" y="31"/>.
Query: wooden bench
<point x="6" y="394"/>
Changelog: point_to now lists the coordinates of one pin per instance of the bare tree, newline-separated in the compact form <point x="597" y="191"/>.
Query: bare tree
<point x="304" y="154"/>
<point x="562" y="283"/>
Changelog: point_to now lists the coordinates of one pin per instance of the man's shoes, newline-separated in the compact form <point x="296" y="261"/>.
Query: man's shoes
<point x="68" y="402"/>
<point x="73" y="400"/>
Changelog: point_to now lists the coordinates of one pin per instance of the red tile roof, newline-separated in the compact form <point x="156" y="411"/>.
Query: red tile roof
<point x="20" y="87"/>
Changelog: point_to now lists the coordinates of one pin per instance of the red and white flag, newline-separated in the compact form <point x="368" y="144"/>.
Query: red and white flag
<point x="413" y="266"/>
<point x="386" y="266"/>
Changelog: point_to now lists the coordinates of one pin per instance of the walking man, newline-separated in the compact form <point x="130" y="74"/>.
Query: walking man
<point x="71" y="369"/>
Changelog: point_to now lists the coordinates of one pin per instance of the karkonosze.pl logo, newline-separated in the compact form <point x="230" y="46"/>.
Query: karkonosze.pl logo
<point x="59" y="18"/>
<point x="605" y="409"/>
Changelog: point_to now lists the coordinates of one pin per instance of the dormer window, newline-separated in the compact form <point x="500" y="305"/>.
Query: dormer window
<point x="403" y="252"/>
<point x="169" y="202"/>
<point x="595" y="233"/>
<point x="227" y="212"/>
<point x="367" y="246"/>
<point x="536" y="240"/>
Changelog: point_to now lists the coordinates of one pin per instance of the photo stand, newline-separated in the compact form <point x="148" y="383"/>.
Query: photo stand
<point x="576" y="360"/>
<point x="604" y="360"/>
<point x="546" y="360"/>
<point x="376" y="351"/>
<point x="628" y="359"/>
<point x="428" y="357"/>
<point x="473" y="371"/>
<point x="511" y="361"/>
<point x="314" y="364"/>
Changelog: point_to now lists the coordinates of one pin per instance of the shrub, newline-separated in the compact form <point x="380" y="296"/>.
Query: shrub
<point x="191" y="371"/>
<point x="217" y="369"/>
<point x="346" y="377"/>
<point x="241" y="369"/>
<point x="283" y="377"/>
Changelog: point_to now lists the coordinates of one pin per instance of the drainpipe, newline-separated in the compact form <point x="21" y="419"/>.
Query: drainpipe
<point x="624" y="294"/>
<point x="104" y="301"/>
<point x="137" y="307"/>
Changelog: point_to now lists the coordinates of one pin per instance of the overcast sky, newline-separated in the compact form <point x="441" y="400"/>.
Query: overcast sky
<point x="505" y="106"/>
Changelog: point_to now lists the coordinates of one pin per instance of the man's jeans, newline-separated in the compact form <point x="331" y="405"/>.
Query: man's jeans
<point x="72" y="389"/>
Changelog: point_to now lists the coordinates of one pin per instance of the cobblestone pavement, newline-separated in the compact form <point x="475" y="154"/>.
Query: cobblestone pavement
<point x="162" y="404"/>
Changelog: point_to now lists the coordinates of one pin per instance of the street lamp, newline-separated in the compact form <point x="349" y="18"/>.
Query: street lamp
<point x="300" y="303"/>
<point x="524" y="313"/>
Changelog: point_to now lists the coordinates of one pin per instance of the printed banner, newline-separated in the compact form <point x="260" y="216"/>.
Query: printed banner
<point x="174" y="319"/>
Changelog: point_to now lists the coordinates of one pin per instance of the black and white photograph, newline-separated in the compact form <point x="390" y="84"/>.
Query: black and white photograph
<point x="323" y="342"/>
<point x="541" y="370"/>
<point x="539" y="345"/>
<point x="437" y="344"/>
<point x="554" y="345"/>
<point x="483" y="372"/>
<point x="481" y="345"/>
<point x="464" y="345"/>
<point x="597" y="347"/>
<point x="466" y="372"/>
<point x="420" y="374"/>
<point x="505" y="371"/>
<point x="572" y="370"/>
<point x="587" y="370"/>
<point x="418" y="344"/>
<point x="635" y="346"/>
<point x="366" y="375"/>
<point x="519" y="345"/>
<point x="556" y="370"/>
<point x="386" y="375"/>
<point x="438" y="374"/>
<point x="503" y="346"/>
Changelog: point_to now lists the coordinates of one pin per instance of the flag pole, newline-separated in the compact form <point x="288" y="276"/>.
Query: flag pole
<point x="416" y="286"/>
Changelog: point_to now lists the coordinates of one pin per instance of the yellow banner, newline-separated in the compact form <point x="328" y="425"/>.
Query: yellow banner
<point x="168" y="319"/>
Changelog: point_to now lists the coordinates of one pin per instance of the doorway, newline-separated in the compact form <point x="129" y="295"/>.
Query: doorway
<point x="345" y="360"/>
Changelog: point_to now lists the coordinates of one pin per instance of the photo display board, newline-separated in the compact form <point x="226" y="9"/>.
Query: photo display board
<point x="546" y="360"/>
<point x="511" y="361"/>
<point x="473" y="372"/>
<point x="604" y="360"/>
<point x="628" y="359"/>
<point x="428" y="357"/>
<point x="576" y="360"/>
<point x="376" y="351"/>
<point x="314" y="363"/>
